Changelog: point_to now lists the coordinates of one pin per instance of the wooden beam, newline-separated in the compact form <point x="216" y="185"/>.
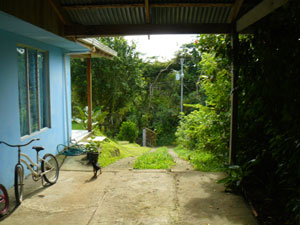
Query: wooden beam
<point x="59" y="12"/>
<point x="120" y="30"/>
<point x="147" y="11"/>
<point x="235" y="10"/>
<point x="38" y="13"/>
<point x="89" y="91"/>
<point x="155" y="5"/>
<point x="234" y="99"/>
<point x="258" y="12"/>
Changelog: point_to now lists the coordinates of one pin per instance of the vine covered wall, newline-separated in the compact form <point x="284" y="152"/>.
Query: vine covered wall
<point x="269" y="116"/>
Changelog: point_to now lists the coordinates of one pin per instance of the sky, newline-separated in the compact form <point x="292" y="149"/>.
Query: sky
<point x="163" y="46"/>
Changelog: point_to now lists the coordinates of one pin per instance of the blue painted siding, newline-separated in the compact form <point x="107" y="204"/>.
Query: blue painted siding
<point x="9" y="103"/>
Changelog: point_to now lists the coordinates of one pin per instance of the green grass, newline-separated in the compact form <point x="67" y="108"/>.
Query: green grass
<point x="97" y="132"/>
<point x="112" y="151"/>
<point x="203" y="161"/>
<point x="77" y="126"/>
<point x="160" y="159"/>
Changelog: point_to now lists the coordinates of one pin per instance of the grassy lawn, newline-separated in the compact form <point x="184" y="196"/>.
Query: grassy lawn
<point x="77" y="126"/>
<point x="112" y="151"/>
<point x="203" y="161"/>
<point x="160" y="159"/>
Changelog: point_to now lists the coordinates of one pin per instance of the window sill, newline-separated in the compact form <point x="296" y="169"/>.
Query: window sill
<point x="23" y="138"/>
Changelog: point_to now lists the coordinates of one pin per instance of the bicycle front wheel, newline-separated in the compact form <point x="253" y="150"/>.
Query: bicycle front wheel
<point x="19" y="183"/>
<point x="50" y="168"/>
<point x="4" y="200"/>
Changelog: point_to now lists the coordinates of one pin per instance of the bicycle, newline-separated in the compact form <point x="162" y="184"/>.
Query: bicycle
<point x="48" y="170"/>
<point x="4" y="201"/>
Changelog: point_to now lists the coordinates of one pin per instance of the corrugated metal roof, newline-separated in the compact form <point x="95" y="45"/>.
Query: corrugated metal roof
<point x="93" y="17"/>
<point x="190" y="15"/>
<point x="87" y="2"/>
<point x="136" y="15"/>
<point x="108" y="16"/>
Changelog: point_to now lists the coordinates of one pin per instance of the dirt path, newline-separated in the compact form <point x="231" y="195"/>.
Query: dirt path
<point x="137" y="197"/>
<point x="122" y="164"/>
<point x="181" y="165"/>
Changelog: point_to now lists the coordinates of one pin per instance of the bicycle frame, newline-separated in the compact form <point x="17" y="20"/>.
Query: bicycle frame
<point x="36" y="172"/>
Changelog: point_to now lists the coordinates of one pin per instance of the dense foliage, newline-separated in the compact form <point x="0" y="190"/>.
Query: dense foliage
<point x="146" y="93"/>
<point x="267" y="170"/>
<point x="203" y="134"/>
<point x="118" y="85"/>
<point x="128" y="131"/>
<point x="267" y="167"/>
<point x="207" y="127"/>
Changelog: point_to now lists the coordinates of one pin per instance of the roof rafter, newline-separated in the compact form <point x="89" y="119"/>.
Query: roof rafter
<point x="258" y="12"/>
<point x="147" y="11"/>
<point x="59" y="12"/>
<point x="235" y="10"/>
<point x="144" y="29"/>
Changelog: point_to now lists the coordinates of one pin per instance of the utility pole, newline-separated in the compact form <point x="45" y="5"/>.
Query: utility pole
<point x="181" y="97"/>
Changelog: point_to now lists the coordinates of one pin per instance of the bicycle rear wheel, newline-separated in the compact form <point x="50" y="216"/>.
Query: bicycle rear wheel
<point x="50" y="167"/>
<point x="19" y="183"/>
<point x="4" y="200"/>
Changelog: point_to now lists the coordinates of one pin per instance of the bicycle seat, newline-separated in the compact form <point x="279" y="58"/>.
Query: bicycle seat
<point x="38" y="148"/>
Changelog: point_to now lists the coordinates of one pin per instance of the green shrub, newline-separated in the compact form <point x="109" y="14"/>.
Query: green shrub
<point x="207" y="127"/>
<point x="128" y="132"/>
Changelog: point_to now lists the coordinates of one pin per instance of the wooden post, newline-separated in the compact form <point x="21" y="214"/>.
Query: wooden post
<point x="234" y="98"/>
<point x="89" y="87"/>
<point x="144" y="138"/>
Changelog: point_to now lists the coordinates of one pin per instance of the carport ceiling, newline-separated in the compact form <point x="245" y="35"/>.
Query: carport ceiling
<point x="85" y="18"/>
<point x="128" y="17"/>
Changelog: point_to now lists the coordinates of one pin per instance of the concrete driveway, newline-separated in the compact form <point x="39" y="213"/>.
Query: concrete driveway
<point x="125" y="196"/>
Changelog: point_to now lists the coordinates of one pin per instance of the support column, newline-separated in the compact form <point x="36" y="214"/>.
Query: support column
<point x="89" y="87"/>
<point x="144" y="138"/>
<point x="234" y="98"/>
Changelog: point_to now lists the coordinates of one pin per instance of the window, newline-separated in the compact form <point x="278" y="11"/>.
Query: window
<point x="34" y="103"/>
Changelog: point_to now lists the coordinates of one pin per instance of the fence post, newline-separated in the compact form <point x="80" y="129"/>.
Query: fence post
<point x="144" y="137"/>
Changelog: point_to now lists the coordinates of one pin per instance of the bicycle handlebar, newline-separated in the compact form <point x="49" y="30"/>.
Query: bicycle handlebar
<point x="17" y="146"/>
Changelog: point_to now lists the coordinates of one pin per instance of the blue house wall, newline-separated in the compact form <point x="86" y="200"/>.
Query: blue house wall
<point x="9" y="103"/>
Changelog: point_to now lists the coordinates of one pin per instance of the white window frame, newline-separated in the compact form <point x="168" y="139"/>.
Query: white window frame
<point x="30" y="132"/>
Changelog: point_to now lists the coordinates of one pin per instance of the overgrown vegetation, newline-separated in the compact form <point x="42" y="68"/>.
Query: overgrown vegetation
<point x="143" y="92"/>
<point x="128" y="132"/>
<point x="201" y="160"/>
<point x="269" y="138"/>
<point x="266" y="169"/>
<point x="203" y="134"/>
<point x="77" y="126"/>
<point x="112" y="151"/>
<point x="159" y="159"/>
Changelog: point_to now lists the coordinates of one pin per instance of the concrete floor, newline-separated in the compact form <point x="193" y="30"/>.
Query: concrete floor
<point x="126" y="196"/>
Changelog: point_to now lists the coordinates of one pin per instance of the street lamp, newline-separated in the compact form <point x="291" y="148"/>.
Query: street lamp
<point x="181" y="97"/>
